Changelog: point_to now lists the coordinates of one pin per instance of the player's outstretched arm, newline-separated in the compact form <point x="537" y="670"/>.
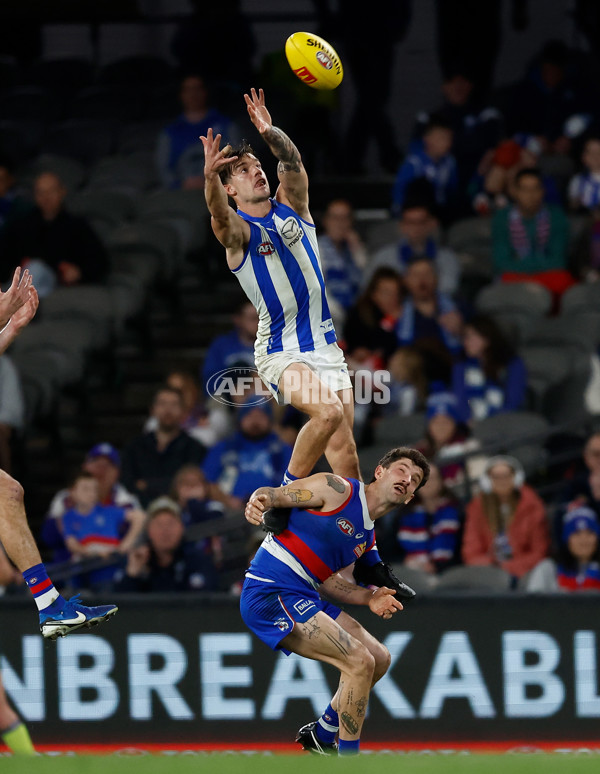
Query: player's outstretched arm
<point x="21" y="318"/>
<point x="229" y="228"/>
<point x="381" y="601"/>
<point x="292" y="176"/>
<point x="323" y="491"/>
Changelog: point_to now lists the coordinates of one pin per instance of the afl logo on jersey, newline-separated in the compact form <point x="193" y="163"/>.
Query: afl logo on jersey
<point x="345" y="526"/>
<point x="291" y="232"/>
<point x="265" y="248"/>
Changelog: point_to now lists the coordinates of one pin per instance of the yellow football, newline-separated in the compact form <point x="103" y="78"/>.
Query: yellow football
<point x="314" y="61"/>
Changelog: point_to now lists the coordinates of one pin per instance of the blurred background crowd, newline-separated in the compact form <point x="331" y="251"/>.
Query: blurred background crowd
<point x="455" y="182"/>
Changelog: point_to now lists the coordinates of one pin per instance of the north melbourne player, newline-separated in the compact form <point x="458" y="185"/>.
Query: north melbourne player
<point x="331" y="525"/>
<point x="271" y="247"/>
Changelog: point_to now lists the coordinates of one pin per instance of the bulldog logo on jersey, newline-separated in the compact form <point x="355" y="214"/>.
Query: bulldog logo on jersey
<point x="282" y="624"/>
<point x="360" y="549"/>
<point x="291" y="232"/>
<point x="265" y="248"/>
<point x="345" y="526"/>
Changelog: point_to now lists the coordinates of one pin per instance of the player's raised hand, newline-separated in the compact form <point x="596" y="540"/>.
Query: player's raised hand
<point x="257" y="110"/>
<point x="255" y="507"/>
<point x="383" y="603"/>
<point x="16" y="295"/>
<point x="214" y="156"/>
<point x="25" y="314"/>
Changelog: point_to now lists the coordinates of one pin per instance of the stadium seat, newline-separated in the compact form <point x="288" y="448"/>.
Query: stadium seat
<point x="139" y="136"/>
<point x="521" y="434"/>
<point x="133" y="173"/>
<point x="117" y="103"/>
<point x="87" y="303"/>
<point x="400" y="431"/>
<point x="114" y="207"/>
<point x="578" y="331"/>
<point x="164" y="104"/>
<point x="148" y="239"/>
<point x="546" y="367"/>
<point x="422" y="582"/>
<point x="380" y="234"/>
<point x="514" y="306"/>
<point x="186" y="211"/>
<point x="471" y="240"/>
<point x="142" y="70"/>
<point x="29" y="103"/>
<point x="63" y="76"/>
<point x="20" y="140"/>
<point x="70" y="171"/>
<point x="581" y="298"/>
<point x="86" y="140"/>
<point x="473" y="578"/>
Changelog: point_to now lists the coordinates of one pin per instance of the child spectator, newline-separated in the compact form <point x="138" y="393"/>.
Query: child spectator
<point x="235" y="348"/>
<point x="190" y="492"/>
<point x="428" y="531"/>
<point x="408" y="383"/>
<point x="506" y="524"/>
<point x="491" y="377"/>
<point x="577" y="564"/>
<point x="166" y="563"/>
<point x="584" y="188"/>
<point x="430" y="159"/>
<point x="343" y="257"/>
<point x="94" y="530"/>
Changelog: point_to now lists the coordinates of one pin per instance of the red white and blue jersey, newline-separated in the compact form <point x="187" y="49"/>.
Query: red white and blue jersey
<point x="281" y="275"/>
<point x="317" y="544"/>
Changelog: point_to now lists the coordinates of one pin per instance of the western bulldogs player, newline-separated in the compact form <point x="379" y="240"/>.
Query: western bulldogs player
<point x="331" y="525"/>
<point x="271" y="247"/>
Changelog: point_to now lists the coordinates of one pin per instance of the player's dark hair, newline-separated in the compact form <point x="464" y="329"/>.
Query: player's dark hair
<point x="529" y="172"/>
<point x="244" y="149"/>
<point x="405" y="452"/>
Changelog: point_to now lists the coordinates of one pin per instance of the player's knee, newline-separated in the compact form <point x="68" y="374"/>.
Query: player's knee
<point x="331" y="415"/>
<point x="383" y="659"/>
<point x="10" y="488"/>
<point x="363" y="663"/>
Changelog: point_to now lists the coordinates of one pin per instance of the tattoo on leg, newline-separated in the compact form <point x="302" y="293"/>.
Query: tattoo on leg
<point x="311" y="629"/>
<point x="337" y="644"/>
<point x="335" y="483"/>
<point x="361" y="706"/>
<point x="349" y="723"/>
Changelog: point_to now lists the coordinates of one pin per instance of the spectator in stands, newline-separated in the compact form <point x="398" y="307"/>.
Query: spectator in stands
<point x="585" y="258"/>
<point x="542" y="102"/>
<point x="12" y="411"/>
<point x="585" y="487"/>
<point x="584" y="188"/>
<point x="577" y="564"/>
<point x="491" y="188"/>
<point x="428" y="531"/>
<point x="151" y="460"/>
<point x="418" y="237"/>
<point x="166" y="563"/>
<point x="190" y="492"/>
<point x="180" y="155"/>
<point x="233" y="349"/>
<point x="446" y="438"/>
<point x="476" y="126"/>
<point x="491" y="377"/>
<point x="12" y="206"/>
<point x="430" y="321"/>
<point x="431" y="160"/>
<point x="92" y="530"/>
<point x="530" y="239"/>
<point x="103" y="461"/>
<point x="506" y="524"/>
<point x="57" y="247"/>
<point x="369" y="333"/>
<point x="253" y="456"/>
<point x="343" y="258"/>
<point x="407" y="384"/>
<point x="206" y="423"/>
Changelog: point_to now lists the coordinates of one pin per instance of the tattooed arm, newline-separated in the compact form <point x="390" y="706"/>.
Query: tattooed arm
<point x="381" y="601"/>
<point x="321" y="492"/>
<point x="293" y="189"/>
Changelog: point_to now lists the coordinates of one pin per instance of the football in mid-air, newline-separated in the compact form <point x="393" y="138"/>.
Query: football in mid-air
<point x="314" y="60"/>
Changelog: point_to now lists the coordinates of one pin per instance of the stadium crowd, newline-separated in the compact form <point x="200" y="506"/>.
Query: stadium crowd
<point x="469" y="312"/>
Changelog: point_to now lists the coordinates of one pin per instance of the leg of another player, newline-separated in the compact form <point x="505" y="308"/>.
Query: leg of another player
<point x="305" y="391"/>
<point x="341" y="448"/>
<point x="12" y="730"/>
<point x="323" y="639"/>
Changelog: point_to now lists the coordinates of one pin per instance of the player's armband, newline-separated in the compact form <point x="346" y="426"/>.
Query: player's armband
<point x="381" y="574"/>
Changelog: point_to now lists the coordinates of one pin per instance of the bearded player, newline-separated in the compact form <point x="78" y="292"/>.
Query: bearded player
<point x="271" y="247"/>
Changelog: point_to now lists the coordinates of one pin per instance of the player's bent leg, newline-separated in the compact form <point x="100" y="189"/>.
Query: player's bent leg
<point x="301" y="387"/>
<point x="341" y="448"/>
<point x="377" y="649"/>
<point x="15" y="534"/>
<point x="323" y="639"/>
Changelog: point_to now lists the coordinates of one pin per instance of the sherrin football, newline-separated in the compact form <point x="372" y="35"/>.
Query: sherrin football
<point x="314" y="61"/>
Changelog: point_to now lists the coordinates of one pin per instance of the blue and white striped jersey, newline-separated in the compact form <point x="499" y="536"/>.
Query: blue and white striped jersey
<point x="281" y="275"/>
<point x="584" y="190"/>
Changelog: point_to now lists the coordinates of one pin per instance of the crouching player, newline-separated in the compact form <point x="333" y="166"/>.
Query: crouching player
<point x="331" y="524"/>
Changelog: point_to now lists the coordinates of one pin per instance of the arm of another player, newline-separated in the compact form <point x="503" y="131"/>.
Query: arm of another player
<point x="293" y="189"/>
<point x="323" y="491"/>
<point x="381" y="601"/>
<point x="231" y="230"/>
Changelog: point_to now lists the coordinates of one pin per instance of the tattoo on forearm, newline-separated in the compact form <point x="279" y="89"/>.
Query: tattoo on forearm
<point x="349" y="723"/>
<point x="283" y="149"/>
<point x="335" y="483"/>
<point x="299" y="495"/>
